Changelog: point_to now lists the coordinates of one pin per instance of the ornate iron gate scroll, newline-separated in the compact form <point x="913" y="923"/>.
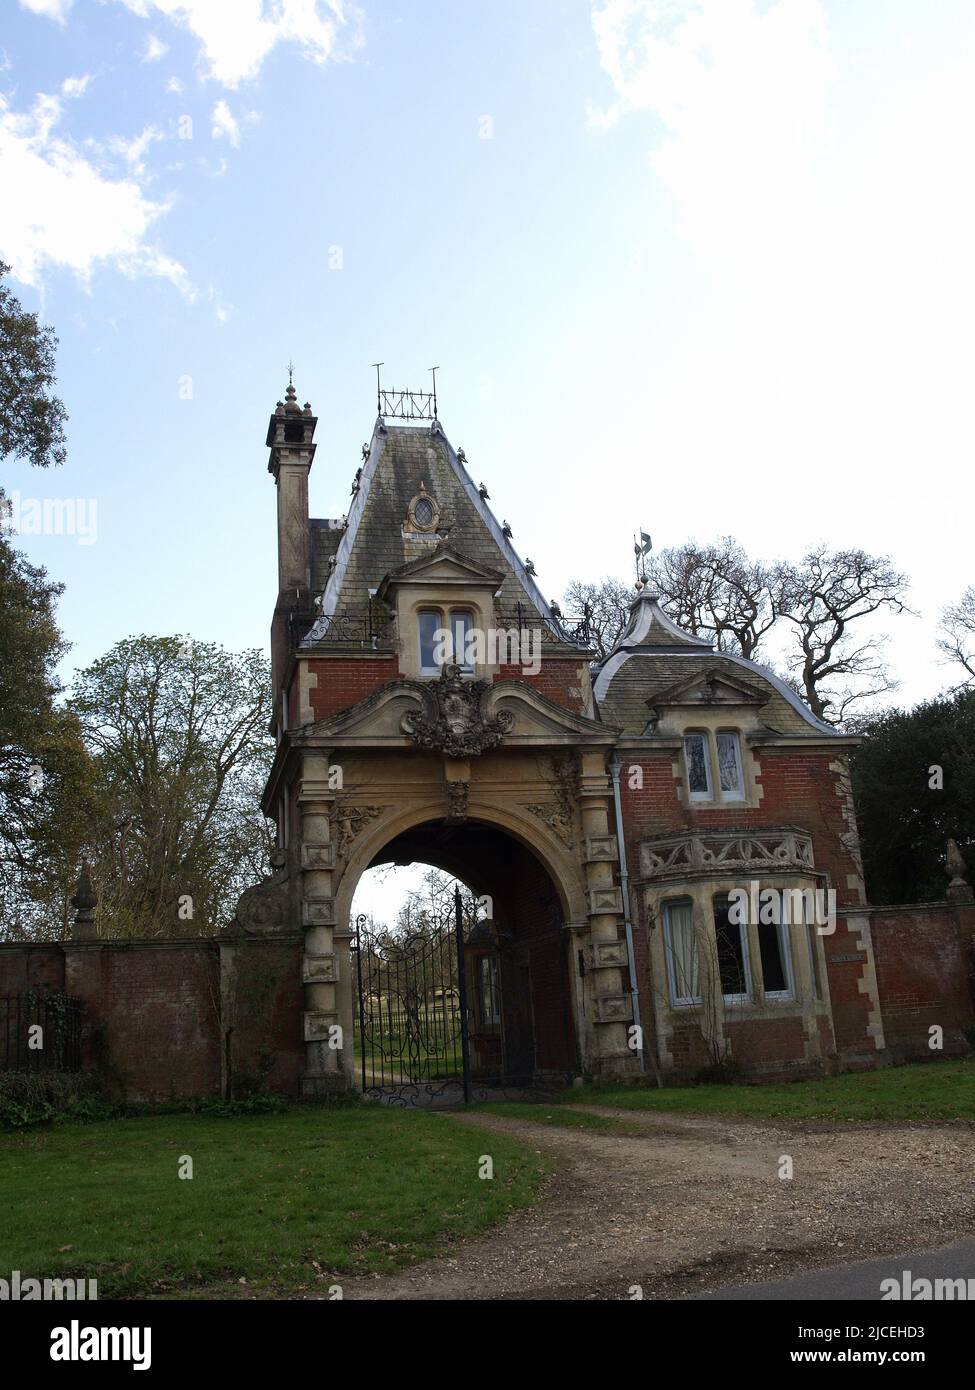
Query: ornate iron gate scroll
<point x="411" y="1021"/>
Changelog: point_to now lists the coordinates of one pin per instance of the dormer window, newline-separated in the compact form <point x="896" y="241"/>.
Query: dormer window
<point x="714" y="760"/>
<point x="698" y="766"/>
<point x="445" y="636"/>
<point x="730" y="779"/>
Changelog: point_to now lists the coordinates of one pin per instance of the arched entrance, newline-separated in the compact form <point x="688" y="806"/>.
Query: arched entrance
<point x="482" y="987"/>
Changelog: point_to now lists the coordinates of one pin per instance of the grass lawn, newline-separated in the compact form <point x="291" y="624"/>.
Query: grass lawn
<point x="284" y="1201"/>
<point x="927" y="1091"/>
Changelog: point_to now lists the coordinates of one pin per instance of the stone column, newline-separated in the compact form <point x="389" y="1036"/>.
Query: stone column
<point x="611" y="1002"/>
<point x="324" y="1069"/>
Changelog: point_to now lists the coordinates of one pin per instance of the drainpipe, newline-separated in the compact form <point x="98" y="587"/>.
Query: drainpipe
<point x="614" y="770"/>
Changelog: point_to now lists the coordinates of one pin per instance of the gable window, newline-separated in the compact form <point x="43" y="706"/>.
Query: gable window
<point x="698" y="766"/>
<point x="729" y="766"/>
<point x="734" y="967"/>
<point x="713" y="760"/>
<point x="680" y="943"/>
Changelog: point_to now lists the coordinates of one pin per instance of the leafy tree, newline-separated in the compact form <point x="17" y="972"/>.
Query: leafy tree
<point x="178" y="731"/>
<point x="905" y="817"/>
<point x="44" y="772"/>
<point x="31" y="417"/>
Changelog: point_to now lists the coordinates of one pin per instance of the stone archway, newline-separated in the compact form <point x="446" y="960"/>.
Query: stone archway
<point x="524" y="954"/>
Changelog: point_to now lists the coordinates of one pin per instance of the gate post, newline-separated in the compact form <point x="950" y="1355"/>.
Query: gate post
<point x="324" y="1044"/>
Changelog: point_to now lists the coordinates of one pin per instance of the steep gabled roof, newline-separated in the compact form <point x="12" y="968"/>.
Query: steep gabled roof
<point x="403" y="461"/>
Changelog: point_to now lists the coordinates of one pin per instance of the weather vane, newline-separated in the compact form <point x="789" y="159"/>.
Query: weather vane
<point x="641" y="549"/>
<point x="291" y="372"/>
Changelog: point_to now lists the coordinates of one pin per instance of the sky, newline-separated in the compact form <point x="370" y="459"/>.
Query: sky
<point x="695" y="266"/>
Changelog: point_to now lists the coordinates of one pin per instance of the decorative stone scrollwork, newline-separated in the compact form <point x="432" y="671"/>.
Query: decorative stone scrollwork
<point x="683" y="856"/>
<point x="556" y="817"/>
<point x="453" y="721"/>
<point x="266" y="906"/>
<point x="457" y="797"/>
<point x="350" y="821"/>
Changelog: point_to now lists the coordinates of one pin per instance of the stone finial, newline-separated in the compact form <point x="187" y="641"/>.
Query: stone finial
<point x="959" y="890"/>
<point x="85" y="901"/>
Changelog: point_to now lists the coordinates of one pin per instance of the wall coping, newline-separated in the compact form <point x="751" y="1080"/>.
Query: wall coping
<point x="170" y="943"/>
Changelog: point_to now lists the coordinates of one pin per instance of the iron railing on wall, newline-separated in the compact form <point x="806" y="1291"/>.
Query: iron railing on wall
<point x="40" y="1031"/>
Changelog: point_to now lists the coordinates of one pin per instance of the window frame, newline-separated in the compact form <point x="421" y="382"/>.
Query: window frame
<point x="735" y="736"/>
<point x="787" y="995"/>
<point x="428" y="611"/>
<point x="708" y="793"/>
<point x="681" y="1001"/>
<point x="467" y="668"/>
<point x="744" y="936"/>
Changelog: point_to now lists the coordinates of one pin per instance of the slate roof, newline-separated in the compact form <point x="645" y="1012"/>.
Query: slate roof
<point x="653" y="655"/>
<point x="373" y="544"/>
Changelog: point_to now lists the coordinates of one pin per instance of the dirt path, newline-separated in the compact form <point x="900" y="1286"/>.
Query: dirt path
<point x="691" y="1203"/>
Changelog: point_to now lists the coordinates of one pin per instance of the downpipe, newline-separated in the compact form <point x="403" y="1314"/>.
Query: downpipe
<point x="614" y="771"/>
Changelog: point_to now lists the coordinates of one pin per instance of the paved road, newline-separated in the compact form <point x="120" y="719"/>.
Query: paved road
<point x="862" y="1281"/>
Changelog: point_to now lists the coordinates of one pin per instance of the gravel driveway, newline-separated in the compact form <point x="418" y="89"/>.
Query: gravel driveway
<point x="688" y="1204"/>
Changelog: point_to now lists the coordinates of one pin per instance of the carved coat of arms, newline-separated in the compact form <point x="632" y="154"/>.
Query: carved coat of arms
<point x="453" y="721"/>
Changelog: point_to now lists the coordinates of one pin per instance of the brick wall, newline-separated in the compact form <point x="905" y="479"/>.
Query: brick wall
<point x="170" y="1018"/>
<point x="152" y="1015"/>
<point x="344" y="681"/>
<point x="24" y="967"/>
<point x="923" y="957"/>
<point x="560" y="681"/>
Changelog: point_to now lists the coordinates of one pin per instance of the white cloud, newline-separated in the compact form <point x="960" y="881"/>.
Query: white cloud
<point x="174" y="86"/>
<point x="63" y="210"/>
<point x="51" y="9"/>
<point x="154" y="49"/>
<point x="132" y="151"/>
<point x="224" y="126"/>
<point x="75" y="86"/>
<point x="236" y="38"/>
<point x="221" y="311"/>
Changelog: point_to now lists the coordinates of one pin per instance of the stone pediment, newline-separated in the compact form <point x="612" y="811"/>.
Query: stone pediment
<point x="712" y="686"/>
<point x="455" y="716"/>
<point x="445" y="565"/>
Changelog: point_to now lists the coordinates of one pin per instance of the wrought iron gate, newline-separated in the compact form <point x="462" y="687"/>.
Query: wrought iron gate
<point x="411" y="1027"/>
